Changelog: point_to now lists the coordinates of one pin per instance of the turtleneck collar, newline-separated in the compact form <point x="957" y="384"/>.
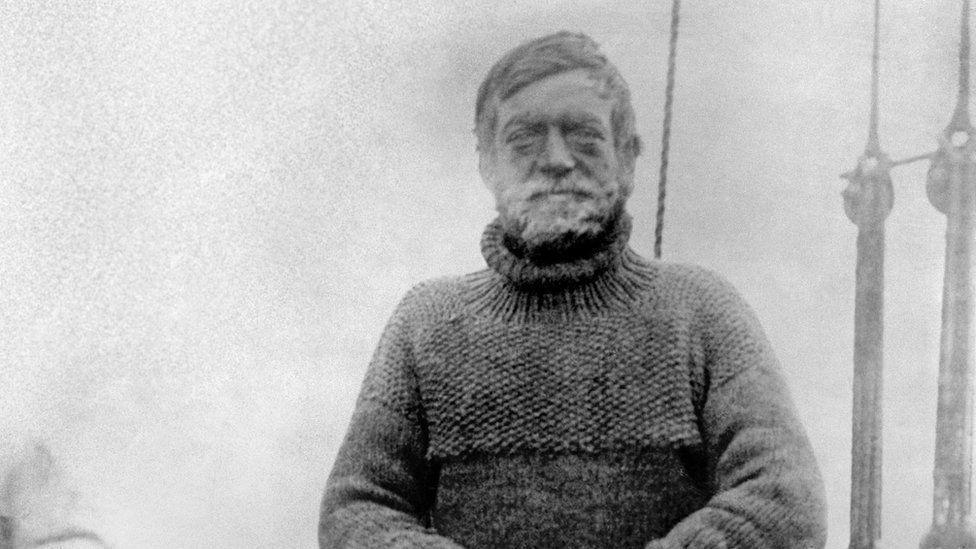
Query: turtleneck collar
<point x="527" y="274"/>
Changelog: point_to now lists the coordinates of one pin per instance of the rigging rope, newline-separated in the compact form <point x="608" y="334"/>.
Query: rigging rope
<point x="666" y="134"/>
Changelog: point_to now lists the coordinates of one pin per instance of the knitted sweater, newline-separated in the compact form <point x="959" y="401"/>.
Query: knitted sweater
<point x="606" y="402"/>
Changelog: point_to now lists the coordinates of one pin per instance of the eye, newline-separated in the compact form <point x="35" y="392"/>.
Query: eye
<point x="586" y="134"/>
<point x="523" y="141"/>
<point x="520" y="136"/>
<point x="586" y="140"/>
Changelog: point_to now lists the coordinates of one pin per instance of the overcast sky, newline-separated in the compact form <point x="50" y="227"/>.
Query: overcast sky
<point x="211" y="208"/>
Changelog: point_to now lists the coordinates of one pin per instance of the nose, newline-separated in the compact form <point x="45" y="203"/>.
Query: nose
<point x="558" y="161"/>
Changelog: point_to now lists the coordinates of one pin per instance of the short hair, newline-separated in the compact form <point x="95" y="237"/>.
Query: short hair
<point x="543" y="57"/>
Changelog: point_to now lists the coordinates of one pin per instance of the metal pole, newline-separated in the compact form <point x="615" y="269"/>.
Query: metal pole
<point x="867" y="201"/>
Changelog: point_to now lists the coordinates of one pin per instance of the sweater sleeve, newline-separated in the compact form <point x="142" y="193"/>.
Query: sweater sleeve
<point x="766" y="486"/>
<point x="381" y="487"/>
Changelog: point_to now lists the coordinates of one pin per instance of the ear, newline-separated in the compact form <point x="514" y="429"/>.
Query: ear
<point x="629" y="152"/>
<point x="636" y="146"/>
<point x="628" y="159"/>
<point x="486" y="167"/>
<point x="631" y="149"/>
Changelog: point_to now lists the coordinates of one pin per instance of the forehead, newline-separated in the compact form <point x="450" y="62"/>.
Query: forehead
<point x="574" y="94"/>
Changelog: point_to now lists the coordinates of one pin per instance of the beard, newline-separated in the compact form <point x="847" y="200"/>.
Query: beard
<point x="557" y="221"/>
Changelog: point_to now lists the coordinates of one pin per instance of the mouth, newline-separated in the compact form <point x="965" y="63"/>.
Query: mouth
<point x="577" y="194"/>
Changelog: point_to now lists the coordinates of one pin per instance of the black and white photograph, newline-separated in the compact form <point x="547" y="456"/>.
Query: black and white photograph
<point x="366" y="274"/>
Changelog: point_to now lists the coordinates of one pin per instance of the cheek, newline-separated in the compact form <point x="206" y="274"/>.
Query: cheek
<point x="606" y="175"/>
<point x="498" y="177"/>
<point x="520" y="166"/>
<point x="600" y="166"/>
<point x="514" y="199"/>
<point x="607" y="164"/>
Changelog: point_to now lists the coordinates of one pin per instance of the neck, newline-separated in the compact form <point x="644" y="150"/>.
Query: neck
<point x="564" y="264"/>
<point x="567" y="247"/>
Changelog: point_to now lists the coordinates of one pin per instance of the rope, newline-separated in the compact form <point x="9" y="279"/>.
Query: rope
<point x="666" y="135"/>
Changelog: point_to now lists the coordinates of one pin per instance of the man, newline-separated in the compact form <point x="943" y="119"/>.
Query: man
<point x="573" y="394"/>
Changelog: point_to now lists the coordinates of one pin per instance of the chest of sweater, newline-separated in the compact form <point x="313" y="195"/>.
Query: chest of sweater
<point x="604" y="383"/>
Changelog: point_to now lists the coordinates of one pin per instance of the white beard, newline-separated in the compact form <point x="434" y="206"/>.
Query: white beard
<point x="557" y="220"/>
<point x="554" y="220"/>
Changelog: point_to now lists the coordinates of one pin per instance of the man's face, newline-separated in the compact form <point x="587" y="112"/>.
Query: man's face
<point x="552" y="165"/>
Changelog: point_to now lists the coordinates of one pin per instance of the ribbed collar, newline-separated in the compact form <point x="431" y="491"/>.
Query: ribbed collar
<point x="524" y="273"/>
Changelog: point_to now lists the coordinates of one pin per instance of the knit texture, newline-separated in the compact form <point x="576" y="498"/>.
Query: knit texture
<point x="609" y="401"/>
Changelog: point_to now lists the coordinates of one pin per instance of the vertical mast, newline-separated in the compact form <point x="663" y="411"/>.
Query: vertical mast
<point x="867" y="201"/>
<point x="950" y="188"/>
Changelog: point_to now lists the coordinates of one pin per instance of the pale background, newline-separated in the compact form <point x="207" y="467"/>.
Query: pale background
<point x="209" y="209"/>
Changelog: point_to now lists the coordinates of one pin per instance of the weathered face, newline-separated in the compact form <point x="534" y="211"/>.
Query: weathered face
<point x="552" y="165"/>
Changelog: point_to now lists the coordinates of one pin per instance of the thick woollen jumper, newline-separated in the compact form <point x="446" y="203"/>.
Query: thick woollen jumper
<point x="608" y="401"/>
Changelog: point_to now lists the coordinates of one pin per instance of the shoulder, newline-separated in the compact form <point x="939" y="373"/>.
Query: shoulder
<point x="714" y="307"/>
<point x="707" y="288"/>
<point x="441" y="297"/>
<point x="689" y="276"/>
<point x="690" y="287"/>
